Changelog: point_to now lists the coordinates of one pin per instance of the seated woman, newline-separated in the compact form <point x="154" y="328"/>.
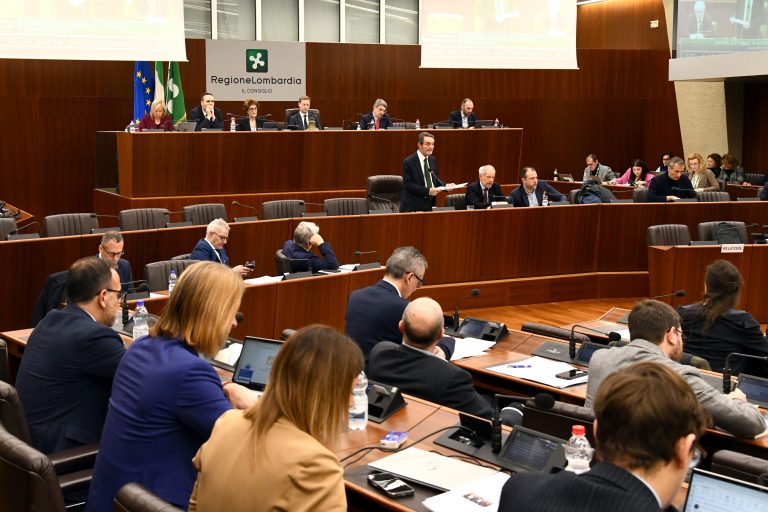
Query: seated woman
<point x="251" y="122"/>
<point x="714" y="329"/>
<point x="703" y="180"/>
<point x="731" y="171"/>
<point x="664" y="164"/>
<point x="165" y="397"/>
<point x="636" y="176"/>
<point x="713" y="164"/>
<point x="278" y="454"/>
<point x="157" y="119"/>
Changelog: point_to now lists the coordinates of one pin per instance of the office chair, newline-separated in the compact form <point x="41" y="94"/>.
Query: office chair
<point x="668" y="234"/>
<point x="284" y="209"/>
<point x="156" y="273"/>
<point x="346" y="206"/>
<point x="135" y="497"/>
<point x="202" y="214"/>
<point x="143" y="218"/>
<point x="457" y="201"/>
<point x="66" y="224"/>
<point x="7" y="227"/>
<point x="712" y="196"/>
<point x="705" y="229"/>
<point x="741" y="466"/>
<point x="282" y="263"/>
<point x="384" y="192"/>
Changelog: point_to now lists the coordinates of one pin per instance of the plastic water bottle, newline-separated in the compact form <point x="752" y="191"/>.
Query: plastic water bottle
<point x="586" y="176"/>
<point x="545" y="200"/>
<point x="131" y="127"/>
<point x="556" y="176"/>
<point x="418" y="124"/>
<point x="171" y="281"/>
<point x="496" y="123"/>
<point x="233" y="125"/>
<point x="140" y="325"/>
<point x="358" y="412"/>
<point x="578" y="451"/>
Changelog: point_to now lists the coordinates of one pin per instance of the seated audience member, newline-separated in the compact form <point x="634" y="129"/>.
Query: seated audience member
<point x="654" y="328"/>
<point x="464" y="117"/>
<point x="531" y="191"/>
<point x="764" y="192"/>
<point x="664" y="165"/>
<point x="637" y="175"/>
<point x="280" y="451"/>
<point x="157" y="119"/>
<point x="647" y="423"/>
<point x="731" y="171"/>
<point x="377" y="119"/>
<point x="251" y="122"/>
<point x="111" y="251"/>
<point x="306" y="235"/>
<point x="374" y="313"/>
<point x="414" y="368"/>
<point x="702" y="179"/>
<point x="300" y="120"/>
<point x="166" y="398"/>
<point x="206" y="115"/>
<point x="713" y="164"/>
<point x="713" y="328"/>
<point x="65" y="376"/>
<point x="672" y="185"/>
<point x="211" y="248"/>
<point x="484" y="191"/>
<point x="596" y="170"/>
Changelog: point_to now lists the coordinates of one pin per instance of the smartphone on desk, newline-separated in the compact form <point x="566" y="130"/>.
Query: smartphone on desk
<point x="571" y="374"/>
<point x="390" y="485"/>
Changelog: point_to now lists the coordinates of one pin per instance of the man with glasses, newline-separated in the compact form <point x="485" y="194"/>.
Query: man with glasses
<point x="111" y="251"/>
<point x="211" y="248"/>
<point x="654" y="328"/>
<point x="65" y="376"/>
<point x="374" y="313"/>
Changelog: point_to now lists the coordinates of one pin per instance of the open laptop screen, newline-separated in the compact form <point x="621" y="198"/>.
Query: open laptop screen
<point x="256" y="359"/>
<point x="531" y="451"/>
<point x="710" y="492"/>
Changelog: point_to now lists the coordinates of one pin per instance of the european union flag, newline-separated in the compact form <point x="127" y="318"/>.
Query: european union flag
<point x="143" y="89"/>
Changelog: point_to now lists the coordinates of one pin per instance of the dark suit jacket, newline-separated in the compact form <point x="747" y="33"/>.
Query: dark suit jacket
<point x="427" y="377"/>
<point x="605" y="488"/>
<point x="126" y="275"/>
<point x="661" y="186"/>
<point x="365" y="121"/>
<point x="296" y="120"/>
<point x="204" y="252"/>
<point x="244" y="125"/>
<point x="764" y="193"/>
<point x="474" y="195"/>
<point x="328" y="262"/>
<point x="706" y="25"/>
<point x="519" y="197"/>
<point x="51" y="296"/>
<point x="65" y="378"/>
<point x="197" y="116"/>
<point x="455" y="119"/>
<point x="416" y="196"/>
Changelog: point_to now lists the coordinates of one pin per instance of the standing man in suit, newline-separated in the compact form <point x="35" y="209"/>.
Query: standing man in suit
<point x="647" y="421"/>
<point x="206" y="115"/>
<point x="531" y="191"/>
<point x="421" y="178"/>
<point x="414" y="367"/>
<point x="377" y="119"/>
<point x="374" y="313"/>
<point x="464" y="117"/>
<point x="211" y="248"/>
<point x="111" y="251"/>
<point x="65" y="376"/>
<point x="484" y="191"/>
<point x="300" y="120"/>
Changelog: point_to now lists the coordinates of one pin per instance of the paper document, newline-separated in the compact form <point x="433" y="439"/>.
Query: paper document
<point x="470" y="347"/>
<point x="539" y="370"/>
<point x="231" y="354"/>
<point x="348" y="267"/>
<point x="263" y="279"/>
<point x="449" y="187"/>
<point x="153" y="295"/>
<point x="479" y="496"/>
<point x="624" y="334"/>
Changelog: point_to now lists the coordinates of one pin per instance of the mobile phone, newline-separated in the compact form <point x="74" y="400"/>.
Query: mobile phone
<point x="250" y="264"/>
<point x="390" y="485"/>
<point x="571" y="374"/>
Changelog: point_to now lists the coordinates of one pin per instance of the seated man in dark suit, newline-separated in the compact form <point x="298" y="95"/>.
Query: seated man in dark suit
<point x="211" y="248"/>
<point x="206" y="115"/>
<point x="647" y="422"/>
<point x="673" y="185"/>
<point x="378" y="119"/>
<point x="465" y="117"/>
<point x="374" y="313"/>
<point x="65" y="376"/>
<point x="300" y="120"/>
<point x="306" y="235"/>
<point x="764" y="192"/>
<point x="531" y="191"/>
<point x="415" y="369"/>
<point x="111" y="250"/>
<point x="484" y="191"/>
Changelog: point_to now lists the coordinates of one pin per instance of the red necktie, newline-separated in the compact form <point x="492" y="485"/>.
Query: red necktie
<point x="378" y="120"/>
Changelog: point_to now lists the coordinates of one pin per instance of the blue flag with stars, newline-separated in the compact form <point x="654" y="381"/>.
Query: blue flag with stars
<point x="143" y="89"/>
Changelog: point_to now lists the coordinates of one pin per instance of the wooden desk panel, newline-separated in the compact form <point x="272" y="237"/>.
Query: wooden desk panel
<point x="692" y="214"/>
<point x="386" y="232"/>
<point x="257" y="241"/>
<point x="453" y="255"/>
<point x="311" y="300"/>
<point x="623" y="228"/>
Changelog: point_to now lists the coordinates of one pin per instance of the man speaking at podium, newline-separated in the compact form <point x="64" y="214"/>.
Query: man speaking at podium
<point x="421" y="177"/>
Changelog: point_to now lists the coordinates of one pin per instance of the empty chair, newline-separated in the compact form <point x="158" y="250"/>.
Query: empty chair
<point x="639" y="195"/>
<point x="70" y="224"/>
<point x="157" y="273"/>
<point x="143" y="218"/>
<point x="457" y="201"/>
<point x="284" y="209"/>
<point x="741" y="466"/>
<point x="706" y="230"/>
<point x="668" y="234"/>
<point x="282" y="263"/>
<point x="202" y="214"/>
<point x="135" y="497"/>
<point x="384" y="192"/>
<point x="8" y="226"/>
<point x="559" y="419"/>
<point x="346" y="206"/>
<point x="710" y="196"/>
<point x="755" y="178"/>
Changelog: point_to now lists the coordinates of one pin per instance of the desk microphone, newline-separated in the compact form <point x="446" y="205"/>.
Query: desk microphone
<point x="474" y="292"/>
<point x="103" y="215"/>
<point x="238" y="203"/>
<point x="239" y="316"/>
<point x="391" y="203"/>
<point x="612" y="336"/>
<point x="434" y="176"/>
<point x="543" y="401"/>
<point x="313" y="204"/>
<point x="728" y="371"/>
<point x="360" y="253"/>
<point x="678" y="293"/>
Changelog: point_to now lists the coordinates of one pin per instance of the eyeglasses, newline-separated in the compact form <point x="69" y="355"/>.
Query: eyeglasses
<point x="697" y="455"/>
<point x="223" y="238"/>
<point x="113" y="254"/>
<point x="421" y="281"/>
<point x="120" y="294"/>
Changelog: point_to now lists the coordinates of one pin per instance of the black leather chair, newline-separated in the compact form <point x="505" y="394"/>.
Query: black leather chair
<point x="668" y="234"/>
<point x="639" y="195"/>
<point x="705" y="229"/>
<point x="282" y="263"/>
<point x="712" y="196"/>
<point x="387" y="187"/>
<point x="7" y="227"/>
<point x="457" y="201"/>
<point x="52" y="296"/>
<point x="156" y="273"/>
<point x="290" y="111"/>
<point x="284" y="209"/>
<point x="558" y="420"/>
<point x="202" y="214"/>
<point x="66" y="224"/>
<point x="755" y="178"/>
<point x="741" y="466"/>
<point x="143" y="218"/>
<point x="346" y="206"/>
<point x="135" y="497"/>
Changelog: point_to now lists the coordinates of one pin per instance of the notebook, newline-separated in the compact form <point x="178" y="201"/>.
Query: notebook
<point x="255" y="362"/>
<point x="710" y="492"/>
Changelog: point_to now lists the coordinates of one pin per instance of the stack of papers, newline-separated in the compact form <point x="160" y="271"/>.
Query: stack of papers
<point x="263" y="280"/>
<point x="538" y="369"/>
<point x="470" y="347"/>
<point x="479" y="495"/>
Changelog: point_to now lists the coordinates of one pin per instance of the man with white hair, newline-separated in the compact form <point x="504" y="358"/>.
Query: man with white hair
<point x="484" y="191"/>
<point x="306" y="235"/>
<point x="700" y="25"/>
<point x="211" y="248"/>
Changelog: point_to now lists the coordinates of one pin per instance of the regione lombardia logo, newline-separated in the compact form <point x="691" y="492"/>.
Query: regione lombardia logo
<point x="256" y="60"/>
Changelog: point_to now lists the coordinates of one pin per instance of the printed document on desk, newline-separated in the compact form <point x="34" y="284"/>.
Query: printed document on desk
<point x="539" y="369"/>
<point x="478" y="496"/>
<point x="448" y="188"/>
<point x="470" y="347"/>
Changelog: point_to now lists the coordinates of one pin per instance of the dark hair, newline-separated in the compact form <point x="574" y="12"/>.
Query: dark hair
<point x="643" y="174"/>
<point x="717" y="158"/>
<point x="524" y="172"/>
<point x="668" y="153"/>
<point x="250" y="101"/>
<point x="650" y="319"/>
<point x="729" y="159"/>
<point x="86" y="278"/>
<point x="202" y="96"/>
<point x="723" y="282"/>
<point x="425" y="134"/>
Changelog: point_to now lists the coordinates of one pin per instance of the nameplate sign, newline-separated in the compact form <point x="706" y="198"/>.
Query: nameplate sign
<point x="726" y="248"/>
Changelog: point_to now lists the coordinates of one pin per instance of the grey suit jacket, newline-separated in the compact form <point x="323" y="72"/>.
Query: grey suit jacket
<point x="736" y="416"/>
<point x="604" y="172"/>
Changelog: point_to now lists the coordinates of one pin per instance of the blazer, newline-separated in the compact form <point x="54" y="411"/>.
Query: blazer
<point x="661" y="186"/>
<point x="244" y="125"/>
<point x="737" y="175"/>
<point x="707" y="182"/>
<point x="474" y="195"/>
<point x="295" y="252"/>
<point x="197" y="116"/>
<point x="519" y="197"/>
<point x="415" y="195"/>
<point x="165" y="401"/>
<point x="736" y="416"/>
<point x="126" y="275"/>
<point x="54" y="292"/>
<point x="426" y="376"/>
<point x="292" y="470"/>
<point x="204" y="252"/>
<point x="603" y="172"/>
<point x="605" y="488"/>
<point x="764" y="192"/>
<point x="455" y="119"/>
<point x="65" y="378"/>
<point x="367" y="119"/>
<point x="296" y="122"/>
<point x="148" y="123"/>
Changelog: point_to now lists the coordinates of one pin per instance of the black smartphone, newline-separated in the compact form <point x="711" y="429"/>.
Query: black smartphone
<point x="390" y="485"/>
<point x="571" y="374"/>
<point x="250" y="264"/>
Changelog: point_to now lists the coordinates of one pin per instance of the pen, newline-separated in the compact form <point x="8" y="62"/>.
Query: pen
<point x="518" y="366"/>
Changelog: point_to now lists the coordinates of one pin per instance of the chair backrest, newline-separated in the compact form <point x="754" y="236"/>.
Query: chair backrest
<point x="712" y="196"/>
<point x="143" y="218"/>
<point x="12" y="416"/>
<point x="346" y="206"/>
<point x="385" y="186"/>
<point x="558" y="420"/>
<point x="282" y="263"/>
<point x="741" y="466"/>
<point x="553" y="332"/>
<point x="66" y="224"/>
<point x="7" y="226"/>
<point x="202" y="214"/>
<point x="51" y="296"/>
<point x="458" y="201"/>
<point x="723" y="185"/>
<point x="284" y="209"/>
<point x="755" y="178"/>
<point x="156" y="273"/>
<point x="182" y="256"/>
<point x="290" y="111"/>
<point x="668" y="234"/>
<point x="572" y="195"/>
<point x="135" y="497"/>
<point x="5" y="370"/>
<point x="705" y="229"/>
<point x="639" y="195"/>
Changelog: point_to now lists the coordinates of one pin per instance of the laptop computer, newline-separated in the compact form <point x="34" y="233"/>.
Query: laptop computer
<point x="186" y="126"/>
<point x="710" y="492"/>
<point x="255" y="362"/>
<point x="756" y="389"/>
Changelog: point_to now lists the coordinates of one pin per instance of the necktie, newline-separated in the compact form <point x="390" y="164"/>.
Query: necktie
<point x="378" y="120"/>
<point x="485" y="195"/>
<point x="305" y="121"/>
<point x="427" y="177"/>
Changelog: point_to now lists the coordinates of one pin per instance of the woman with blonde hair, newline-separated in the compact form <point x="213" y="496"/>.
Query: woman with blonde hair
<point x="165" y="397"/>
<point x="157" y="119"/>
<point x="278" y="454"/>
<point x="702" y="179"/>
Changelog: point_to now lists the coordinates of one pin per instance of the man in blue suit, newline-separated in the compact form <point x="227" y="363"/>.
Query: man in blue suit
<point x="211" y="248"/>
<point x="377" y="119"/>
<point x="65" y="376"/>
<point x="111" y="250"/>
<point x="531" y="191"/>
<point x="300" y="120"/>
<point x="306" y="235"/>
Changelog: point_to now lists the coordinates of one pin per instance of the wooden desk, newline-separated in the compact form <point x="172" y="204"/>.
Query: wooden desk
<point x="24" y="219"/>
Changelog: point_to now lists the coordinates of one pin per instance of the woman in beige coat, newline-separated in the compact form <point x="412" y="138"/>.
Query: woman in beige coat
<point x="702" y="179"/>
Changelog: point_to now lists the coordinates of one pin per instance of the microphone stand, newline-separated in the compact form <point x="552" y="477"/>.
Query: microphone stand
<point x="728" y="371"/>
<point x="612" y="336"/>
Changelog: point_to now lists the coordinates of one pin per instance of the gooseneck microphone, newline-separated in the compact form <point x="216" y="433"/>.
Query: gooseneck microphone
<point x="543" y="401"/>
<point x="612" y="336"/>
<point x="678" y="293"/>
<point x="728" y="371"/>
<point x="238" y="203"/>
<point x="384" y="199"/>
<point x="239" y="316"/>
<point x="473" y="293"/>
<point x="360" y="253"/>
